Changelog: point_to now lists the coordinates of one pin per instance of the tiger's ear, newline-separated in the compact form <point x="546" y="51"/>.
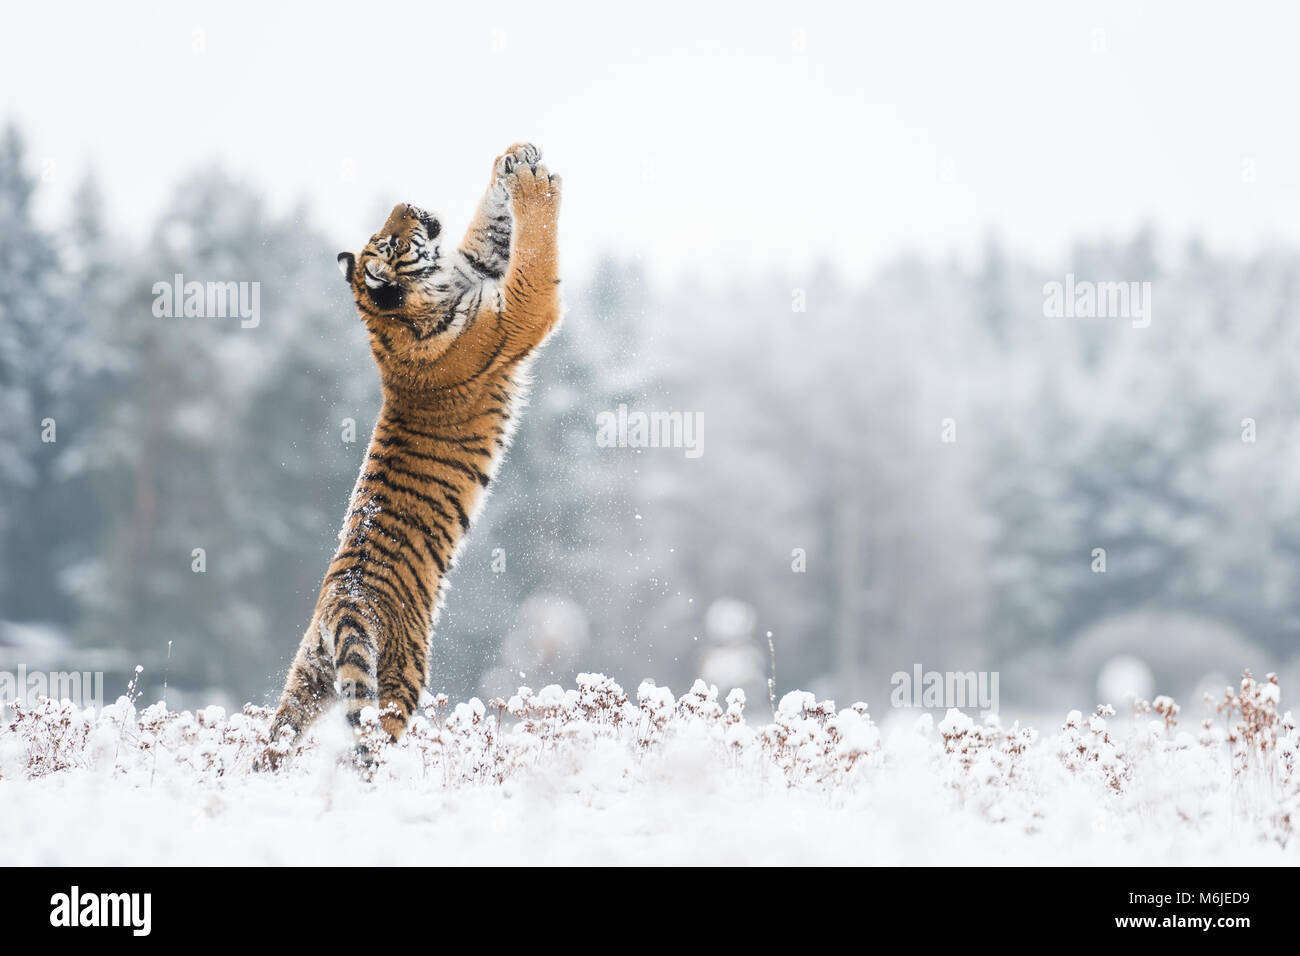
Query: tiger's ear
<point x="347" y="262"/>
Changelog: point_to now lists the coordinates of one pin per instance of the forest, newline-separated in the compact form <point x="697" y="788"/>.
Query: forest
<point x="926" y="466"/>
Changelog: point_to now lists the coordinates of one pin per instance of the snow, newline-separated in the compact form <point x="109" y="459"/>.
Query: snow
<point x="587" y="776"/>
<point x="796" y="702"/>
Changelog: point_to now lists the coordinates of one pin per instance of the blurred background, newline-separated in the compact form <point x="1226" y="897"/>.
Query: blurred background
<point x="826" y="232"/>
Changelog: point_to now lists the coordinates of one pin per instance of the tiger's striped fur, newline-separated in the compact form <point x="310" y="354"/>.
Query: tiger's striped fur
<point x="452" y="337"/>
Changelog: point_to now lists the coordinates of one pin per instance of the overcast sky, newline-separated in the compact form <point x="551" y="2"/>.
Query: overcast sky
<point x="698" y="139"/>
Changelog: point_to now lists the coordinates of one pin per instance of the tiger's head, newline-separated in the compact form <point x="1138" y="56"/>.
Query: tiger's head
<point x="398" y="280"/>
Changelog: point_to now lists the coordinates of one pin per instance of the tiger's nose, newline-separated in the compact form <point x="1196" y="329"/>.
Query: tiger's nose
<point x="401" y="212"/>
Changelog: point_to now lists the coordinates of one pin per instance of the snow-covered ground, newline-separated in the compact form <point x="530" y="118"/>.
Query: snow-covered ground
<point x="589" y="776"/>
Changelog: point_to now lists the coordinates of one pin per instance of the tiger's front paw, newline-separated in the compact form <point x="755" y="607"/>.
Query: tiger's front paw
<point x="531" y="188"/>
<point x="534" y="191"/>
<point x="519" y="154"/>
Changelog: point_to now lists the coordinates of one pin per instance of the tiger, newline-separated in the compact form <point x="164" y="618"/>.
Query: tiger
<point x="453" y="336"/>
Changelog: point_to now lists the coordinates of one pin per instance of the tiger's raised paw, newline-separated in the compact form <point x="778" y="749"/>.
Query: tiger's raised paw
<point x="519" y="154"/>
<point x="534" y="193"/>
<point x="520" y="172"/>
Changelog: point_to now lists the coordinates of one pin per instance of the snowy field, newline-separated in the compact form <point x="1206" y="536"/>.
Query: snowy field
<point x="590" y="776"/>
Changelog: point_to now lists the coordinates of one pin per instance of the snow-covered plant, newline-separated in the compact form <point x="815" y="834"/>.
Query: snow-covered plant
<point x="53" y="734"/>
<point x="1088" y="747"/>
<point x="1252" y="719"/>
<point x="811" y="743"/>
<point x="656" y="710"/>
<point x="971" y="743"/>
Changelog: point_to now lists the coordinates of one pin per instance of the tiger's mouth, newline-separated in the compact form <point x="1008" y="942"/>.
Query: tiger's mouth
<point x="385" y="292"/>
<point x="388" y="298"/>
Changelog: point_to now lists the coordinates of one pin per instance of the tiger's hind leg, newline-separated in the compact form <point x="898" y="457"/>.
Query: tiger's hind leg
<point x="340" y="646"/>
<point x="307" y="692"/>
<point x="356" y="660"/>
<point x="403" y="667"/>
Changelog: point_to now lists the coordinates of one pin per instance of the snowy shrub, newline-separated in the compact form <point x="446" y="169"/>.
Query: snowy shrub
<point x="812" y="744"/>
<point x="1253" y="722"/>
<point x="981" y="763"/>
<point x="1088" y="747"/>
<point x="51" y="736"/>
